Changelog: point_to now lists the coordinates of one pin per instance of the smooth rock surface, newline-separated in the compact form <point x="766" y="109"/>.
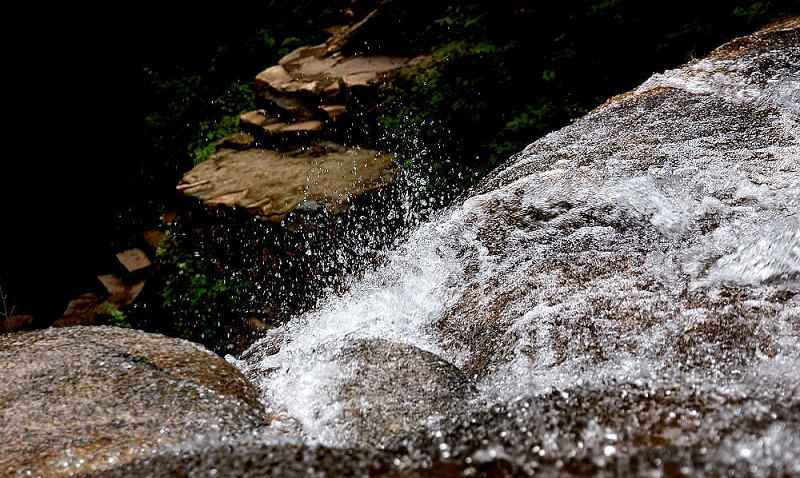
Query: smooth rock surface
<point x="91" y="398"/>
<point x="133" y="260"/>
<point x="271" y="184"/>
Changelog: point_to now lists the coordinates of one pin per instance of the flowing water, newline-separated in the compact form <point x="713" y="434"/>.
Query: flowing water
<point x="622" y="295"/>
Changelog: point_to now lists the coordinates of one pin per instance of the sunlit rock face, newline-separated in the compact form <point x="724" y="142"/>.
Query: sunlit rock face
<point x="624" y="293"/>
<point x="272" y="184"/>
<point x="86" y="399"/>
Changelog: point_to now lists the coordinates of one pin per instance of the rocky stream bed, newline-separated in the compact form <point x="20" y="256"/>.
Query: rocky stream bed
<point x="620" y="298"/>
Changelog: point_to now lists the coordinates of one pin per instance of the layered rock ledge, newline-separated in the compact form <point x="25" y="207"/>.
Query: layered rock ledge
<point x="272" y="184"/>
<point x="312" y="96"/>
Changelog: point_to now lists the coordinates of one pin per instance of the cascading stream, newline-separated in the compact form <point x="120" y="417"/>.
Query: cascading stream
<point x="624" y="291"/>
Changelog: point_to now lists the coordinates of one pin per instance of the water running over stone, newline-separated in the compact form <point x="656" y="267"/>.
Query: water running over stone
<point x="622" y="295"/>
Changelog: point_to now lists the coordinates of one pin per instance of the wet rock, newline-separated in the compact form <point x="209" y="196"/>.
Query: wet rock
<point x="334" y="112"/>
<point x="665" y="193"/>
<point x="388" y="389"/>
<point x="15" y="322"/>
<point x="133" y="260"/>
<point x="91" y="398"/>
<point x="121" y="292"/>
<point x="258" y="119"/>
<point x="80" y="311"/>
<point x="272" y="184"/>
<point x="371" y="393"/>
<point x="250" y="459"/>
<point x="237" y="141"/>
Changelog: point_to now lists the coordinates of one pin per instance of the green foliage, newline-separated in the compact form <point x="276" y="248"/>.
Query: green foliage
<point x="751" y="11"/>
<point x="202" y="300"/>
<point x="508" y="72"/>
<point x="222" y="121"/>
<point x="119" y="318"/>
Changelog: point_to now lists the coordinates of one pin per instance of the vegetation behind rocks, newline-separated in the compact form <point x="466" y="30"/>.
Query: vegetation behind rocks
<point x="498" y="75"/>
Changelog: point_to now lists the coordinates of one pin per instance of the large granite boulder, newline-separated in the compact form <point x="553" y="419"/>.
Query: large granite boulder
<point x="91" y="398"/>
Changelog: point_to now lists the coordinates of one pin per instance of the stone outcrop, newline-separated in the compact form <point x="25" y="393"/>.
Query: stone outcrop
<point x="271" y="184"/>
<point x="307" y="99"/>
<point x="116" y="289"/>
<point x="312" y="85"/>
<point x="91" y="398"/>
<point x="388" y="389"/>
<point x="15" y="322"/>
<point x="79" y="311"/>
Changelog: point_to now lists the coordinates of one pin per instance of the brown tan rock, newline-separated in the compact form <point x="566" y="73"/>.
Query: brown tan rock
<point x="257" y="118"/>
<point x="133" y="260"/>
<point x="305" y="126"/>
<point x="272" y="127"/>
<point x="288" y="107"/>
<point x="154" y="238"/>
<point x="314" y="74"/>
<point x="342" y="36"/>
<point x="237" y="141"/>
<point x="15" y="322"/>
<point x="269" y="183"/>
<point x="334" y="112"/>
<point x="120" y="292"/>
<point x="84" y="399"/>
<point x="295" y="85"/>
<point x="80" y="311"/>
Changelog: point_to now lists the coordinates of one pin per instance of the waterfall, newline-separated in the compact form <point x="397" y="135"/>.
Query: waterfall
<point x="649" y="253"/>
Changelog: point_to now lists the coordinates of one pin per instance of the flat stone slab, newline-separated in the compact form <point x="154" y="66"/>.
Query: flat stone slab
<point x="269" y="183"/>
<point x="120" y="292"/>
<point x="134" y="260"/>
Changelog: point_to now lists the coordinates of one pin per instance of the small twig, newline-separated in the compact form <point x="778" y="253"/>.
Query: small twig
<point x="6" y="314"/>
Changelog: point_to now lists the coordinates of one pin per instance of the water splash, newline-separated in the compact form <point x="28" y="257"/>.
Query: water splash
<point x="633" y="278"/>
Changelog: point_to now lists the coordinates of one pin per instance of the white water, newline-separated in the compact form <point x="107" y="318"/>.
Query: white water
<point x="654" y="245"/>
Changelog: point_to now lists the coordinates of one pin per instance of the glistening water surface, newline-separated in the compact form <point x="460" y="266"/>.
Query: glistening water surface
<point x="622" y="295"/>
